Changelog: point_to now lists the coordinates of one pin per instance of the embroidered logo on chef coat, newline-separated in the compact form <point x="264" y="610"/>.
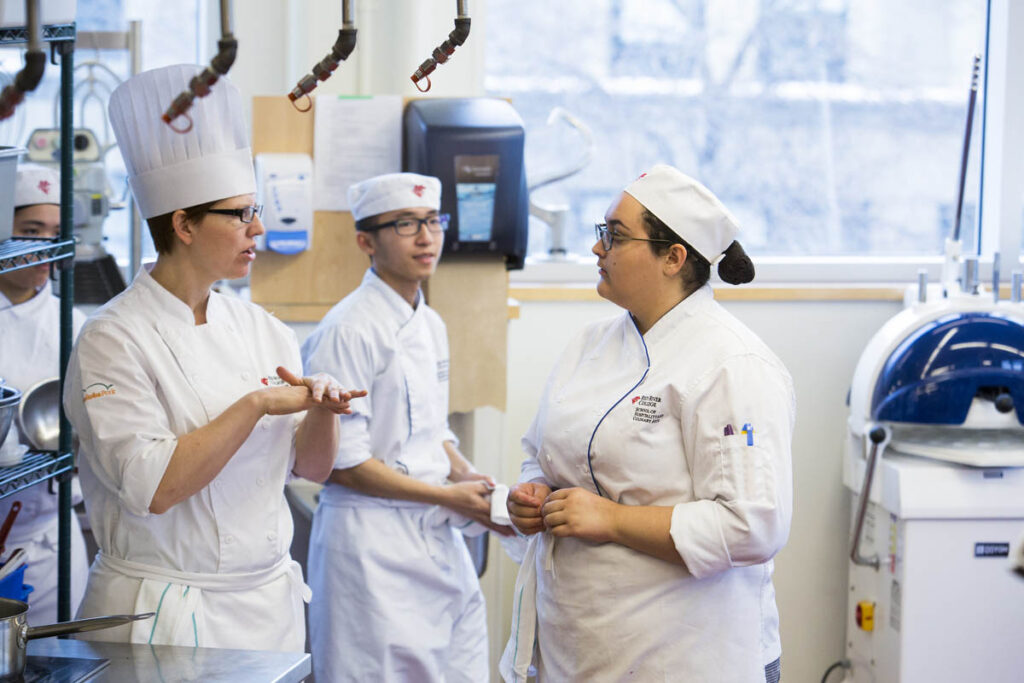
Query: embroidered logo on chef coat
<point x="97" y="390"/>
<point x="272" y="381"/>
<point x="647" y="409"/>
<point x="442" y="370"/>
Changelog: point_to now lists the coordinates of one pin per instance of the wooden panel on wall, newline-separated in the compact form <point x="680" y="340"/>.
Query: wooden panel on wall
<point x="471" y="294"/>
<point x="334" y="266"/>
<point x="278" y="128"/>
<point x="321" y="275"/>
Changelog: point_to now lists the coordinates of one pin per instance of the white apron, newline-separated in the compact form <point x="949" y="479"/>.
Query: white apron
<point x="30" y="353"/>
<point x="141" y="375"/>
<point x="395" y="594"/>
<point x="696" y="415"/>
<point x="199" y="610"/>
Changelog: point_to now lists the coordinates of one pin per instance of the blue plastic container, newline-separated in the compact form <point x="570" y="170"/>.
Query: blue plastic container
<point x="13" y="585"/>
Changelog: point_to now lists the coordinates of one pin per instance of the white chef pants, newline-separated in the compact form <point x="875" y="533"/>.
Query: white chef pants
<point x="393" y="600"/>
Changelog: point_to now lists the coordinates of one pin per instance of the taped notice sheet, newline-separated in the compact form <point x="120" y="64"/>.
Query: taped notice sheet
<point x="354" y="138"/>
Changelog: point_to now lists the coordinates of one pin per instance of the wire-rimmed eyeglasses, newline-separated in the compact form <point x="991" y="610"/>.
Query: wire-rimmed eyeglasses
<point x="607" y="236"/>
<point x="246" y="214"/>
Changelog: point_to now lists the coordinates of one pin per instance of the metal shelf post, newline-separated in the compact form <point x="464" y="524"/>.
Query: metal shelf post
<point x="67" y="299"/>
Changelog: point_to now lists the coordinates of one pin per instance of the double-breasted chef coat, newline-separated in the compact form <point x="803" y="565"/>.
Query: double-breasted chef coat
<point x="397" y="598"/>
<point x="215" y="567"/>
<point x="30" y="353"/>
<point x="696" y="414"/>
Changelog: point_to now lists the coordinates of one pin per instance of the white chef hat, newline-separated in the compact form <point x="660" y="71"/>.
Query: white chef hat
<point x="687" y="208"/>
<point x="393" y="191"/>
<point x="36" y="184"/>
<point x="168" y="170"/>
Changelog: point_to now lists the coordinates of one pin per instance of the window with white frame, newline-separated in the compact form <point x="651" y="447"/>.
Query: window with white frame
<point x="831" y="128"/>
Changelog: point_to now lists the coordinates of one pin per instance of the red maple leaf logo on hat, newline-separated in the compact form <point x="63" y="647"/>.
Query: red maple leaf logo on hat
<point x="44" y="186"/>
<point x="418" y="190"/>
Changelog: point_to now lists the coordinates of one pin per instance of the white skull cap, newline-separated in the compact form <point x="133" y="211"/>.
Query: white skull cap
<point x="168" y="170"/>
<point x="687" y="208"/>
<point x="36" y="184"/>
<point x="392" y="192"/>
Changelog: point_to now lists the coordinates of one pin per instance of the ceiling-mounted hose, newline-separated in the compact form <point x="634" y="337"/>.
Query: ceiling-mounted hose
<point x="200" y="85"/>
<point x="323" y="69"/>
<point x="28" y="78"/>
<point x="445" y="50"/>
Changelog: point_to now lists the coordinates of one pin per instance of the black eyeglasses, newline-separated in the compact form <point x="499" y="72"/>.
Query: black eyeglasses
<point x="608" y="236"/>
<point x="407" y="227"/>
<point x="245" y="214"/>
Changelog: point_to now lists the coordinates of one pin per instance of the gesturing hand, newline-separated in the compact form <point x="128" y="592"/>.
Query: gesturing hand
<point x="524" y="503"/>
<point x="304" y="393"/>
<point x="324" y="391"/>
<point x="580" y="513"/>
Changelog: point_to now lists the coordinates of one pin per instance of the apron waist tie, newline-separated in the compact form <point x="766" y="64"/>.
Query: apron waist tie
<point x="517" y="661"/>
<point x="176" y="596"/>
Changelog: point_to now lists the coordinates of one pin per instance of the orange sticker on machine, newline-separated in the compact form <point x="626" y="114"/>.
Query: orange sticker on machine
<point x="97" y="390"/>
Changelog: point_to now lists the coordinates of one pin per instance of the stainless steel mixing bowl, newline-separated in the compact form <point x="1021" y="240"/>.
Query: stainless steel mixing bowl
<point x="39" y="415"/>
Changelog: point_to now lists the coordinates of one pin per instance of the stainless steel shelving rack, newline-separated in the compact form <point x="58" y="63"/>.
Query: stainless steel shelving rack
<point x="16" y="253"/>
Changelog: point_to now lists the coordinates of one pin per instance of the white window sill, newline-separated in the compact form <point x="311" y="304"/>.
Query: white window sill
<point x="773" y="271"/>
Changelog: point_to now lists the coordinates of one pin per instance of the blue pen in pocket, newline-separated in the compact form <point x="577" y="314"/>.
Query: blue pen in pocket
<point x="748" y="429"/>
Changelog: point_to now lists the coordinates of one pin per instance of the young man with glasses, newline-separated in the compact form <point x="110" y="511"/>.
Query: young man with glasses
<point x="396" y="597"/>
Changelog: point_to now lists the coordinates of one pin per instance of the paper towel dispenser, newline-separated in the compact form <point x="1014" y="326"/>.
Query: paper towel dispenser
<point x="475" y="146"/>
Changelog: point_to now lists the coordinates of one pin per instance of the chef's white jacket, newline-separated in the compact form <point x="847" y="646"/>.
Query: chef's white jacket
<point x="396" y="594"/>
<point x="215" y="565"/>
<point x="30" y="353"/>
<point x="697" y="414"/>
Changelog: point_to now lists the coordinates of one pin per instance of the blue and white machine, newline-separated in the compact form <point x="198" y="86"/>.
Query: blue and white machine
<point x="936" y="436"/>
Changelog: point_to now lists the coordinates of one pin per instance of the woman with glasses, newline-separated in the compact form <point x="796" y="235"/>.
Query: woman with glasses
<point x="657" y="484"/>
<point x="397" y="598"/>
<point x="190" y="417"/>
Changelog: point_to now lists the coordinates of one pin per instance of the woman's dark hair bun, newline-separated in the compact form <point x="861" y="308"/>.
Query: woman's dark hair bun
<point x="736" y="268"/>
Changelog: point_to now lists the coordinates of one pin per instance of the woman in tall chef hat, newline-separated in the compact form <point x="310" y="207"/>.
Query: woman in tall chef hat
<point x="189" y="418"/>
<point x="657" y="484"/>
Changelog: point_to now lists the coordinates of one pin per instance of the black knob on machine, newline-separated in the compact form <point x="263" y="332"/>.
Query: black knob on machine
<point x="877" y="435"/>
<point x="1004" y="403"/>
<point x="81" y="142"/>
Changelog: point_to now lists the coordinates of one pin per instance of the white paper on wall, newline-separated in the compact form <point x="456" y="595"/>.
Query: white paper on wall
<point x="354" y="138"/>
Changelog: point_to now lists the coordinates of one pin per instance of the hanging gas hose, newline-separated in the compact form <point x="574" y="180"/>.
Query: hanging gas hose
<point x="343" y="47"/>
<point x="443" y="51"/>
<point x="28" y="78"/>
<point x="199" y="86"/>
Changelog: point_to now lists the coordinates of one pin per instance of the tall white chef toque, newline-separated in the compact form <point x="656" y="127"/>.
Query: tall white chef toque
<point x="688" y="208"/>
<point x="393" y="192"/>
<point x="168" y="170"/>
<point x="36" y="184"/>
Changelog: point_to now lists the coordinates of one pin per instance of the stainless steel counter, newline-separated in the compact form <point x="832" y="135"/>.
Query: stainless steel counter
<point x="166" y="664"/>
